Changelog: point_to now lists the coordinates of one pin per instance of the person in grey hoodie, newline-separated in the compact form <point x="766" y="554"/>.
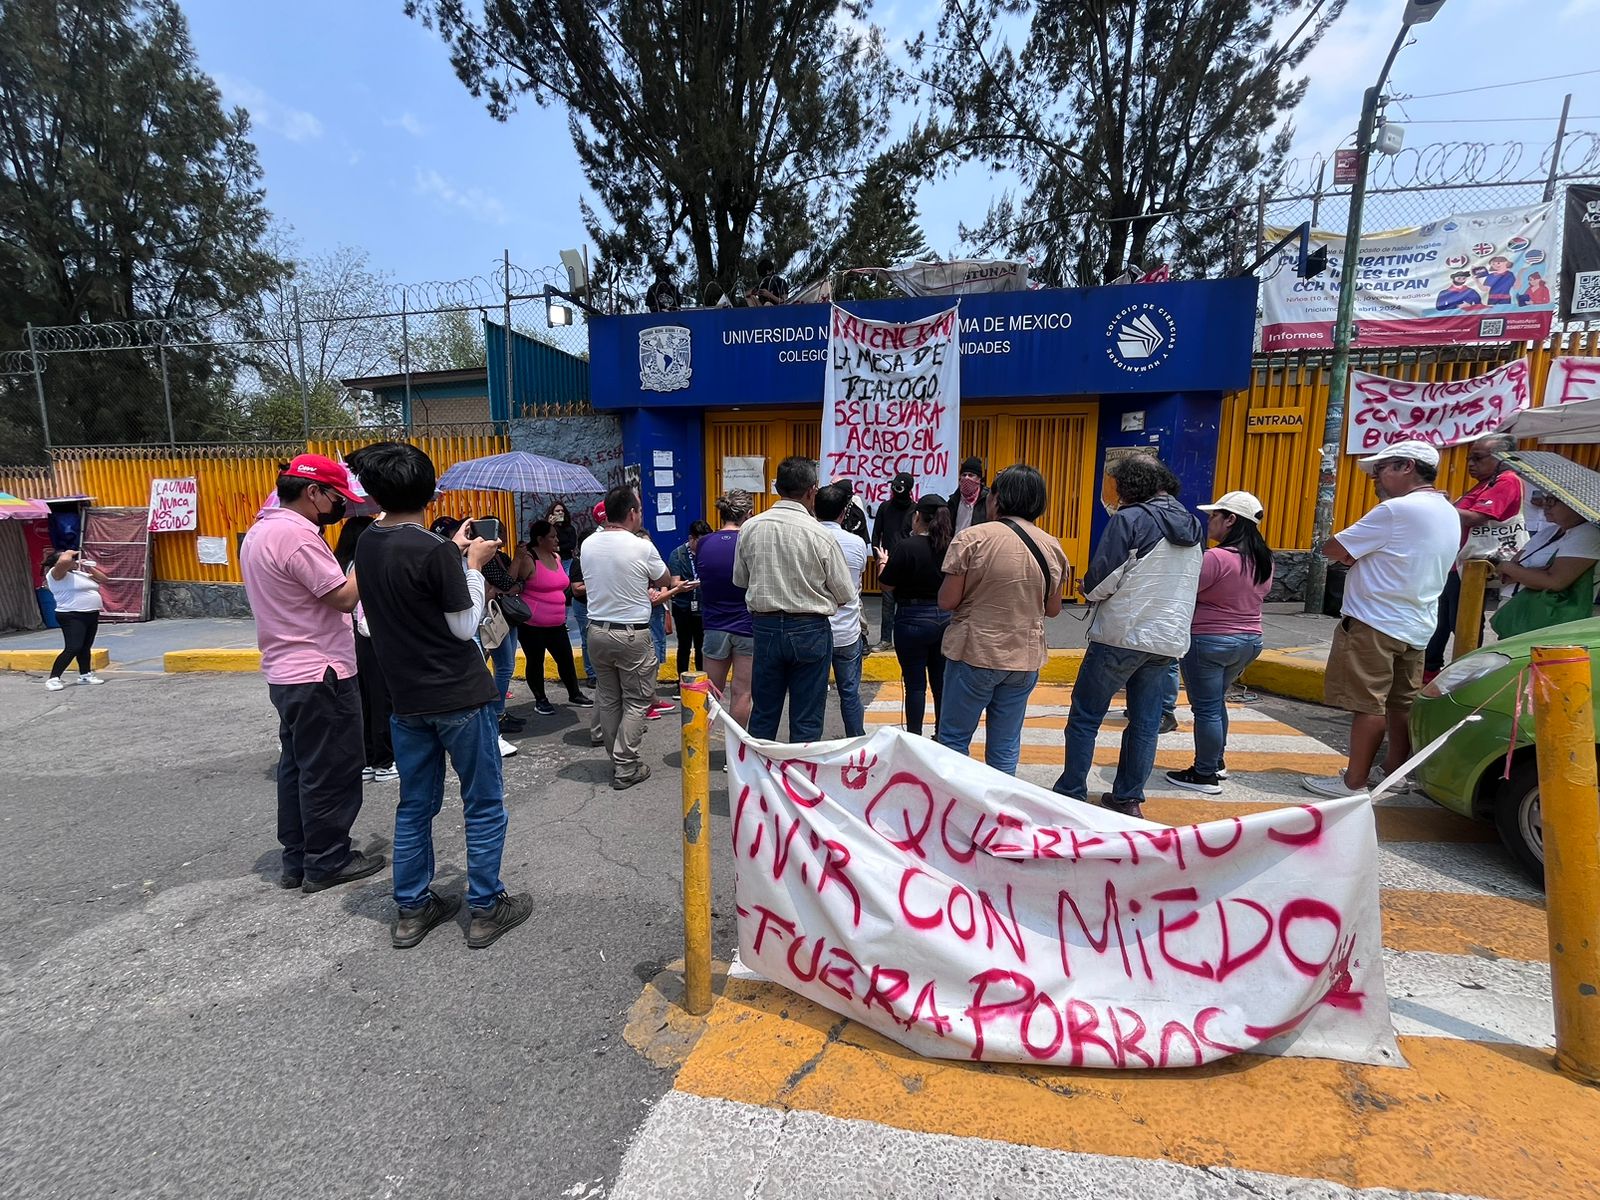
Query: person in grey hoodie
<point x="1142" y="582"/>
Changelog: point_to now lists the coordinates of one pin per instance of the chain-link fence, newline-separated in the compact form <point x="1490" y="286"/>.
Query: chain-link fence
<point x="307" y="359"/>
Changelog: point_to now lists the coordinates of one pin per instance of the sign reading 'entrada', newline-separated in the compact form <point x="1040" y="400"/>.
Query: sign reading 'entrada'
<point x="1167" y="337"/>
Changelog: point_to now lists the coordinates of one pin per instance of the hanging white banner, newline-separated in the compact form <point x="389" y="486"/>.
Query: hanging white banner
<point x="1384" y="411"/>
<point x="891" y="402"/>
<point x="958" y="277"/>
<point x="967" y="914"/>
<point x="1572" y="379"/>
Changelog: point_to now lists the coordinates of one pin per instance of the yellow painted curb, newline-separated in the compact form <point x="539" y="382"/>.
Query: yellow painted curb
<point x="1285" y="675"/>
<point x="42" y="660"/>
<point x="184" y="662"/>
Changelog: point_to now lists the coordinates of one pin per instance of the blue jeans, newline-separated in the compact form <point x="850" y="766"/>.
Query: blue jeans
<point x="1213" y="665"/>
<point x="971" y="691"/>
<point x="504" y="659"/>
<point x="578" y="613"/>
<point x="847" y="678"/>
<point x="918" y="643"/>
<point x="470" y="737"/>
<point x="792" y="657"/>
<point x="658" y="631"/>
<point x="1106" y="670"/>
<point x="1169" y="692"/>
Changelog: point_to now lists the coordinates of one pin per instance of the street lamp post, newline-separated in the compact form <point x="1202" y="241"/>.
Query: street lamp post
<point x="1417" y="12"/>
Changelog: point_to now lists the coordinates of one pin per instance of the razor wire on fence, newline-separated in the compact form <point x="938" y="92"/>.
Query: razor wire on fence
<point x="302" y="360"/>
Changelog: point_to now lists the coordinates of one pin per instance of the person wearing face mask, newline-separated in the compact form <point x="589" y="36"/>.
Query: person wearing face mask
<point x="302" y="601"/>
<point x="969" y="503"/>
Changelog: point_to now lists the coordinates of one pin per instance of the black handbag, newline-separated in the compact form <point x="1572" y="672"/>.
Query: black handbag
<point x="515" y="609"/>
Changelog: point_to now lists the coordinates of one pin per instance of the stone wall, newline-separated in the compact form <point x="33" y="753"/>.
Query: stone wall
<point x="198" y="600"/>
<point x="1289" y="568"/>
<point x="593" y="441"/>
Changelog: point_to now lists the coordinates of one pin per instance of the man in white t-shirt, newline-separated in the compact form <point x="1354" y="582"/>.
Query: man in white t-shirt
<point x="833" y="502"/>
<point x="619" y="568"/>
<point x="1399" y="556"/>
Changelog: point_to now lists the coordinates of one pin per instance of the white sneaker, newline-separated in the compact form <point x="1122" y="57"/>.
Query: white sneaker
<point x="385" y="774"/>
<point x="1333" y="789"/>
<point x="507" y="749"/>
<point x="91" y="677"/>
<point x="366" y="774"/>
<point x="54" y="684"/>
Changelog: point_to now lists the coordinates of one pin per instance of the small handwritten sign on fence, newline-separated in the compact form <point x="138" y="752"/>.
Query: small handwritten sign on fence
<point x="174" y="505"/>
<point x="1384" y="411"/>
<point x="891" y="402"/>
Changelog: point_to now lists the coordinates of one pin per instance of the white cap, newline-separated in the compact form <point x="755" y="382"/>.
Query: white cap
<point x="1416" y="451"/>
<point x="1240" y="504"/>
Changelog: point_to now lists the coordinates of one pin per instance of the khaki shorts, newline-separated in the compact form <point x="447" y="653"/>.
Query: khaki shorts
<point x="1370" y="672"/>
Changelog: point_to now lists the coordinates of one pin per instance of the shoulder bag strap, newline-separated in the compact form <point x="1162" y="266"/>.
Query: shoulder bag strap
<point x="1033" y="549"/>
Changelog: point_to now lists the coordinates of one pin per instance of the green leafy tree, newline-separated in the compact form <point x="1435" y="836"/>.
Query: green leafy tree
<point x="880" y="228"/>
<point x="450" y="341"/>
<point x="711" y="134"/>
<point x="1112" y="114"/>
<point x="126" y="193"/>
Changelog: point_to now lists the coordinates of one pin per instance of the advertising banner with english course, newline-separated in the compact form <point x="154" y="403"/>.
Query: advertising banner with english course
<point x="1467" y="277"/>
<point x="970" y="915"/>
<point x="1384" y="411"/>
<point x="891" y="402"/>
<point x="174" y="505"/>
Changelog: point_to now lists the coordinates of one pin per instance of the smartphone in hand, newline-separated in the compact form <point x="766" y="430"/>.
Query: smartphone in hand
<point x="488" y="528"/>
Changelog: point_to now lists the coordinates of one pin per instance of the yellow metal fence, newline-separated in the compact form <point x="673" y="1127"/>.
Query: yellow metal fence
<point x="234" y="482"/>
<point x="1281" y="466"/>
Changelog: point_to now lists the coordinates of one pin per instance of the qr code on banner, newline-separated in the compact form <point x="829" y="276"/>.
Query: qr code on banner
<point x="1492" y="327"/>
<point x="1586" y="292"/>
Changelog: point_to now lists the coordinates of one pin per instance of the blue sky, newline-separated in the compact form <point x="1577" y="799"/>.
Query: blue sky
<point x="368" y="139"/>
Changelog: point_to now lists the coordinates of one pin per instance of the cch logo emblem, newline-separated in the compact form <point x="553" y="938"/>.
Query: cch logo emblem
<point x="664" y="358"/>
<point x="1142" y="337"/>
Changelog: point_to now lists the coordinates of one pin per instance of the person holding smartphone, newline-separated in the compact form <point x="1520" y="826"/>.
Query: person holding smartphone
<point x="75" y="584"/>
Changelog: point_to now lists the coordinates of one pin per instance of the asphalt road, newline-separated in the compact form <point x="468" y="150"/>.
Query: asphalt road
<point x="173" y="1024"/>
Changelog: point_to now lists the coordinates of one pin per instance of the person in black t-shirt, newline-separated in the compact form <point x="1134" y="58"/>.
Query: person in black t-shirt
<point x="423" y="611"/>
<point x="911" y="574"/>
<point x="770" y="288"/>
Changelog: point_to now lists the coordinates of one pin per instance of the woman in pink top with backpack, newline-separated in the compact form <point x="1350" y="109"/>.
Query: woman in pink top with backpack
<point x="544" y="589"/>
<point x="1225" y="633"/>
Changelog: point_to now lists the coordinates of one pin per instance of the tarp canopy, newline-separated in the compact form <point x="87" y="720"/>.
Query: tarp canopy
<point x="1578" y="422"/>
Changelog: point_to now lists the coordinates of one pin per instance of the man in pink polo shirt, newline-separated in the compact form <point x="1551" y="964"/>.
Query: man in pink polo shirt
<point x="301" y="602"/>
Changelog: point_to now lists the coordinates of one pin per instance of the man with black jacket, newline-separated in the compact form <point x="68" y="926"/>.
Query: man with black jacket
<point x="892" y="524"/>
<point x="969" y="503"/>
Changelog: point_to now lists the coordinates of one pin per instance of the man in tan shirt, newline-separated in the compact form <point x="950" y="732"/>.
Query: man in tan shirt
<point x="1002" y="578"/>
<point x="795" y="578"/>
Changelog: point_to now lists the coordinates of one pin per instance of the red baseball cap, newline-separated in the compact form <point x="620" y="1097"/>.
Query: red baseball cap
<point x="317" y="469"/>
<point x="599" y="511"/>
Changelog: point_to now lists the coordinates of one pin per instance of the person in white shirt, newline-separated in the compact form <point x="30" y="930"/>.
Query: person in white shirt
<point x="75" y="586"/>
<point x="1399" y="556"/>
<point x="832" y="503"/>
<point x="619" y="569"/>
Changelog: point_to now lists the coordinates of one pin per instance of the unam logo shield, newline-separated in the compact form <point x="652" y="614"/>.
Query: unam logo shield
<point x="664" y="358"/>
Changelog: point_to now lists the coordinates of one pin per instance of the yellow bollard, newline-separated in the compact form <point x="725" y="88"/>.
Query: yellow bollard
<point x="696" y="842"/>
<point x="1563" y="715"/>
<point x="1469" y="614"/>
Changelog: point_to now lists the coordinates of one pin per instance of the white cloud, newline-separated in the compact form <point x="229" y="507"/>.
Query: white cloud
<point x="293" y="124"/>
<point x="475" y="202"/>
<point x="409" y="122"/>
<point x="1580" y="8"/>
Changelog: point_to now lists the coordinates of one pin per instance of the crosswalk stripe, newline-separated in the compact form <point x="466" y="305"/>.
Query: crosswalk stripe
<point x="1238" y="722"/>
<point x="1315" y="759"/>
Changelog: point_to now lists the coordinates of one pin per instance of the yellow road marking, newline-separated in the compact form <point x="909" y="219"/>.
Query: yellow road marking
<point x="1394" y="824"/>
<point x="1450" y="923"/>
<point x="1484" y="1120"/>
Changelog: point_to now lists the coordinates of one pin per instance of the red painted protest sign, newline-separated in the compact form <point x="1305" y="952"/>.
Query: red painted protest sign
<point x="971" y="915"/>
<point x="174" y="505"/>
<point x="1384" y="411"/>
<point x="892" y="403"/>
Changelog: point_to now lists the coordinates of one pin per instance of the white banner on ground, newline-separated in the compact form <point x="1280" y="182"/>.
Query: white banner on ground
<point x="959" y="277"/>
<point x="891" y="402"/>
<point x="1384" y="411"/>
<point x="174" y="505"/>
<point x="967" y="914"/>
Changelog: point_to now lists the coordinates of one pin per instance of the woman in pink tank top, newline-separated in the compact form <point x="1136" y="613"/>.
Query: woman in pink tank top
<point x="544" y="587"/>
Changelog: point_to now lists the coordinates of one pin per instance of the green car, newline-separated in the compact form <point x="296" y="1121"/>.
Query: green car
<point x="1466" y="775"/>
